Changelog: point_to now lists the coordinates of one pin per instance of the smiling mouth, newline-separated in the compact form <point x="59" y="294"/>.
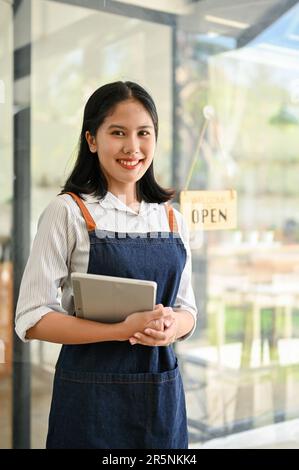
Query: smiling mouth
<point x="129" y="164"/>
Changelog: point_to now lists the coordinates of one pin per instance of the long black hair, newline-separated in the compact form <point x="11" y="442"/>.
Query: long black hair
<point x="87" y="176"/>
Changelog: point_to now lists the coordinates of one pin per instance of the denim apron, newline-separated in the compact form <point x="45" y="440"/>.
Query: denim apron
<point x="112" y="395"/>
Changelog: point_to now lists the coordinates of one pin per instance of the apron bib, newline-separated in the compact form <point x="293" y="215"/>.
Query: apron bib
<point x="110" y="394"/>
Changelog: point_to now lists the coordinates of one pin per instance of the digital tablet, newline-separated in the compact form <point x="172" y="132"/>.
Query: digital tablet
<point x="110" y="299"/>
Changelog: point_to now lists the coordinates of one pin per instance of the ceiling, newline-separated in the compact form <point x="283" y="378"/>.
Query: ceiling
<point x="243" y="19"/>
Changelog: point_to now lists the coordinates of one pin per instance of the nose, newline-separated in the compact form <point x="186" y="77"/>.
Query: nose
<point x="131" y="146"/>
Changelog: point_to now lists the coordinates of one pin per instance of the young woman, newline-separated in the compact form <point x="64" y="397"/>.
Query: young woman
<point x="116" y="385"/>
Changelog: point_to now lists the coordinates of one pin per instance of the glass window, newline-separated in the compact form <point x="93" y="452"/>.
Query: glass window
<point x="227" y="67"/>
<point x="74" y="51"/>
<point x="241" y="367"/>
<point x="6" y="286"/>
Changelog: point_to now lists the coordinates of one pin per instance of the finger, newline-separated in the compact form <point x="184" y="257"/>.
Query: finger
<point x="156" y="324"/>
<point x="133" y="341"/>
<point x="152" y="344"/>
<point x="143" y="339"/>
<point x="156" y="315"/>
<point x="168" y="323"/>
<point x="148" y="340"/>
<point x="159" y="306"/>
<point x="168" y="309"/>
<point x="168" y="312"/>
<point x="155" y="334"/>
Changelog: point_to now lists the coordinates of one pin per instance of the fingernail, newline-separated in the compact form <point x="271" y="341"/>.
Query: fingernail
<point x="133" y="341"/>
<point x="147" y="332"/>
<point x="137" y="335"/>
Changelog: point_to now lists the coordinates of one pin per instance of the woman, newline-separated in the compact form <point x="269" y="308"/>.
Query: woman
<point x="116" y="385"/>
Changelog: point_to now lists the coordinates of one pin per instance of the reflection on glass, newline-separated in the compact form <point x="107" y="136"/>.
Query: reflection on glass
<point x="242" y="368"/>
<point x="75" y="50"/>
<point x="6" y="306"/>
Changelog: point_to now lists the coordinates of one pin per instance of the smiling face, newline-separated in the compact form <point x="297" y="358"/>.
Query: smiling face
<point x="125" y="144"/>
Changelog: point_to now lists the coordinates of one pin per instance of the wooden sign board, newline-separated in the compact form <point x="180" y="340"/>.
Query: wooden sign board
<point x="209" y="210"/>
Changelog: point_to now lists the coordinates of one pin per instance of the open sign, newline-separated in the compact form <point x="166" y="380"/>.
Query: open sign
<point x="209" y="210"/>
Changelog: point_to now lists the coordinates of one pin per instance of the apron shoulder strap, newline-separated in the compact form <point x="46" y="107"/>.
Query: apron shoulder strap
<point x="171" y="218"/>
<point x="90" y="223"/>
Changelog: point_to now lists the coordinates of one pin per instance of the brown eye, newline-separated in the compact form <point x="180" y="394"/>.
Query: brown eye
<point x="116" y="132"/>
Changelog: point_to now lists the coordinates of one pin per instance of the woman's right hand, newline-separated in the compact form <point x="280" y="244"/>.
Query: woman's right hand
<point x="138" y="321"/>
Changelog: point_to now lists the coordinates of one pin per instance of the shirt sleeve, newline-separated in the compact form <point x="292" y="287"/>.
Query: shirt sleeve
<point x="46" y="268"/>
<point x="185" y="299"/>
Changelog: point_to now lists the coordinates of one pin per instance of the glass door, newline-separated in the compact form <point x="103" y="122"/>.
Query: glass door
<point x="74" y="51"/>
<point x="6" y="285"/>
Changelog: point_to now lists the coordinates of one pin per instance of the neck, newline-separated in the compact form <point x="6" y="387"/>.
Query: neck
<point x="126" y="194"/>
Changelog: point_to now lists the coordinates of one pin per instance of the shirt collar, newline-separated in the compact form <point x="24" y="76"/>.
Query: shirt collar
<point x="110" y="201"/>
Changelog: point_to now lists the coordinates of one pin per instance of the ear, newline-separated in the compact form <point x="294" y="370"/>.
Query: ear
<point x="91" y="142"/>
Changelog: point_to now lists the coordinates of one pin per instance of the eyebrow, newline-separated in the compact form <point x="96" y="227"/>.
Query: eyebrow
<point x="123" y="127"/>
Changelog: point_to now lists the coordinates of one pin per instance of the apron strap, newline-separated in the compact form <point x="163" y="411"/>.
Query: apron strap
<point x="171" y="218"/>
<point x="90" y="223"/>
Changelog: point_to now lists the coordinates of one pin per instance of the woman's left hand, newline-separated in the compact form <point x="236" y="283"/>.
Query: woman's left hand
<point x="154" y="337"/>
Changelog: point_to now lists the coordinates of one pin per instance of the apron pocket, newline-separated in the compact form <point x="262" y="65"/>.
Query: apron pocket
<point x="116" y="378"/>
<point x="125" y="411"/>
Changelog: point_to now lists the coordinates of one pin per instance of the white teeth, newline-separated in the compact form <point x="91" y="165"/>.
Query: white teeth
<point x="124" y="162"/>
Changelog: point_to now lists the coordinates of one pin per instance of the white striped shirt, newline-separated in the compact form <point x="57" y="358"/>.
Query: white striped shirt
<point x="61" y="246"/>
